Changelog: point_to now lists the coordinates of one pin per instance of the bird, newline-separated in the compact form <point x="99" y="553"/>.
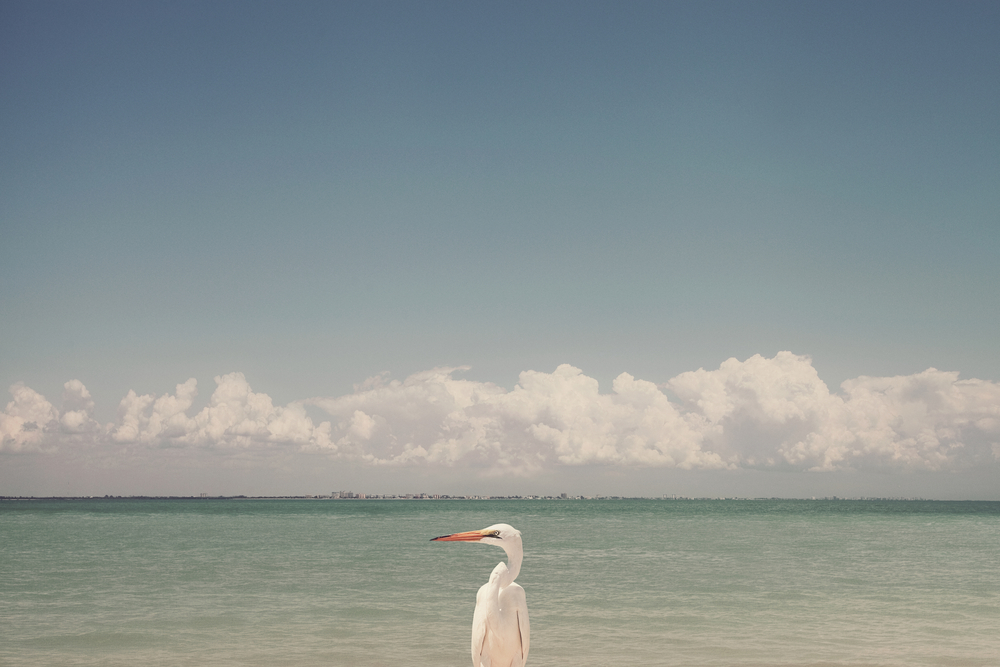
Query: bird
<point x="501" y="634"/>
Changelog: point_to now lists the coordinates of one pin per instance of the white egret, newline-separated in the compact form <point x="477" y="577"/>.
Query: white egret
<point x="500" y="631"/>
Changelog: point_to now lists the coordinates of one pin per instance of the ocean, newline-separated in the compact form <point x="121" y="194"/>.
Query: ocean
<point x="220" y="582"/>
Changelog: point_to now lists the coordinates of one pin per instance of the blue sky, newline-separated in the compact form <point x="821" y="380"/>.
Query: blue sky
<point x="317" y="193"/>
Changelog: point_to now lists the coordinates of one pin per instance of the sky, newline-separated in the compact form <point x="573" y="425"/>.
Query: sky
<point x="642" y="248"/>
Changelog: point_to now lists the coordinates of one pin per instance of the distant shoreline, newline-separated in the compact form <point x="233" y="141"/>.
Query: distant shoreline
<point x="364" y="497"/>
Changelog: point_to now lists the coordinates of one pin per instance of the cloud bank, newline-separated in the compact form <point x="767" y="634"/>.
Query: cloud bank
<point x="759" y="413"/>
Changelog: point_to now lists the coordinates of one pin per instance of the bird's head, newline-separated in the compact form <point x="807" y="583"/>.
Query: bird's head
<point x="499" y="534"/>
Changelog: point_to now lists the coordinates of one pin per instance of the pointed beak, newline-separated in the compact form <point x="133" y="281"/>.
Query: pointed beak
<point x="470" y="536"/>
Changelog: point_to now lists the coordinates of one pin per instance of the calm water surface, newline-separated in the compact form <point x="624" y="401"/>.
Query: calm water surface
<point x="609" y="583"/>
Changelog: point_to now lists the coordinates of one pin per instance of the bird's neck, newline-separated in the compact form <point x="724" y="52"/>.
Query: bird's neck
<point x="514" y="557"/>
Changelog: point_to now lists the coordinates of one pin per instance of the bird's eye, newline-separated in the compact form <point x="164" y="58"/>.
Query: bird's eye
<point x="496" y="533"/>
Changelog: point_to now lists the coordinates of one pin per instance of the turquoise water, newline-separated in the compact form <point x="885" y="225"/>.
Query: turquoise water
<point x="616" y="582"/>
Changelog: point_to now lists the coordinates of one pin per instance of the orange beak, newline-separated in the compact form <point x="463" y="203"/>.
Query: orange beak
<point x="470" y="536"/>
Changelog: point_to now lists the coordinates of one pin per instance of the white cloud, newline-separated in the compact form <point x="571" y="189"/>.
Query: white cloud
<point x="23" y="423"/>
<point x="147" y="419"/>
<point x="777" y="412"/>
<point x="30" y="422"/>
<point x="77" y="409"/>
<point x="234" y="417"/>
<point x="758" y="413"/>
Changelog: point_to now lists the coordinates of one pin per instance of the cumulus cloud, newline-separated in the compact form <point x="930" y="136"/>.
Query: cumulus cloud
<point x="23" y="422"/>
<point x="548" y="418"/>
<point x="778" y="413"/>
<point x="77" y="409"/>
<point x="235" y="417"/>
<point x="759" y="413"/>
<point x="30" y="421"/>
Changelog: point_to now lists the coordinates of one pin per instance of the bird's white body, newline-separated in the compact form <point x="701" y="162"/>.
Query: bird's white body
<point x="501" y="634"/>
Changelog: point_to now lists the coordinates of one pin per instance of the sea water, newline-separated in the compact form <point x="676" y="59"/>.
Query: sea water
<point x="608" y="582"/>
